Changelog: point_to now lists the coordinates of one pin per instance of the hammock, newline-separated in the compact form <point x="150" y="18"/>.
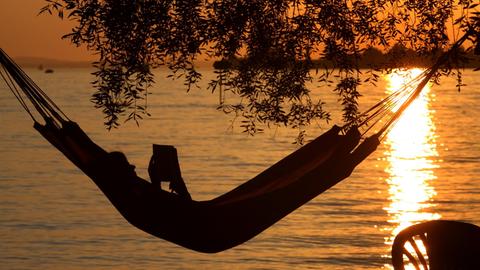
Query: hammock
<point x="238" y="215"/>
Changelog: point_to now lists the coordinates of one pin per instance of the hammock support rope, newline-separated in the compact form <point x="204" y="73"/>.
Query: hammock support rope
<point x="238" y="215"/>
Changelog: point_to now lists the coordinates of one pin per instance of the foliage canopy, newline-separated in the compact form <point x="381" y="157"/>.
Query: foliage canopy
<point x="277" y="41"/>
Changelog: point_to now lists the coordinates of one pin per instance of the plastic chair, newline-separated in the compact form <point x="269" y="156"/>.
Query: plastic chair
<point x="447" y="245"/>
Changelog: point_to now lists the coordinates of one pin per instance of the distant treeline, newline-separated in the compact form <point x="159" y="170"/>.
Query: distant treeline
<point x="40" y="63"/>
<point x="397" y="56"/>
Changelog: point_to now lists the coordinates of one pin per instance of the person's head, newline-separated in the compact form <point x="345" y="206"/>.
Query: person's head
<point x="125" y="167"/>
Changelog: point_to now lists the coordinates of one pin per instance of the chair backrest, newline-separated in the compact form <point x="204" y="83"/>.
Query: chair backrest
<point x="438" y="245"/>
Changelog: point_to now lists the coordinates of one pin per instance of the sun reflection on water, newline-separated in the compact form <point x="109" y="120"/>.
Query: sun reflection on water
<point x="411" y="151"/>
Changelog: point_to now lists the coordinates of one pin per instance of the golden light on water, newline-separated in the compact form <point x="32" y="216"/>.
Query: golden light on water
<point x="411" y="151"/>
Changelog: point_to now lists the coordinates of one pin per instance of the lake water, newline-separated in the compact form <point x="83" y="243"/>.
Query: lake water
<point x="54" y="217"/>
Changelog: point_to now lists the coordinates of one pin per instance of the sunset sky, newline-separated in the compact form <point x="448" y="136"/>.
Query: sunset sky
<point x="24" y="34"/>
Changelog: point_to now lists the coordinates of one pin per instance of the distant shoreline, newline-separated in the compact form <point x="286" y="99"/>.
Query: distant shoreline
<point x="376" y="62"/>
<point x="48" y="63"/>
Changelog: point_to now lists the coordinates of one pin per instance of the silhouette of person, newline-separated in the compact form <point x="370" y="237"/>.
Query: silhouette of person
<point x="164" y="167"/>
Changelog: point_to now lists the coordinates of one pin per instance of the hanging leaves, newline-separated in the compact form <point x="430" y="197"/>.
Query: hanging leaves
<point x="268" y="47"/>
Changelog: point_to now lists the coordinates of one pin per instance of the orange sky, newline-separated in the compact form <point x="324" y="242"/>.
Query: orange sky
<point x="23" y="33"/>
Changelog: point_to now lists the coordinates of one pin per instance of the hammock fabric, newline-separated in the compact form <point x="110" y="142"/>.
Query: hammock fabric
<point x="230" y="219"/>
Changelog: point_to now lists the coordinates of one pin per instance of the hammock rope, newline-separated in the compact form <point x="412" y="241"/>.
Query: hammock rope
<point x="47" y="109"/>
<point x="397" y="102"/>
<point x="12" y="87"/>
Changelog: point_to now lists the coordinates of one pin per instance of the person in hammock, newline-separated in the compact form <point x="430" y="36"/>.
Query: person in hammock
<point x="211" y="225"/>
